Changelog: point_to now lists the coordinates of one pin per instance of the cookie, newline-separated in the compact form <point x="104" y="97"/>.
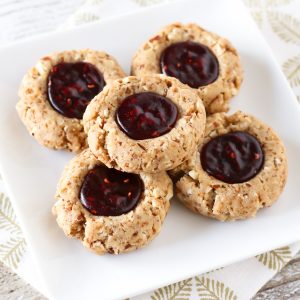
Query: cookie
<point x="109" y="210"/>
<point x="148" y="124"/>
<point x="199" y="58"/>
<point x="54" y="94"/>
<point x="240" y="168"/>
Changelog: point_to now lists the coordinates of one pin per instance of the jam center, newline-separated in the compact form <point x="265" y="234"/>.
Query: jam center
<point x="234" y="157"/>
<point x="71" y="87"/>
<point x="109" y="192"/>
<point x="146" y="115"/>
<point x="192" y="63"/>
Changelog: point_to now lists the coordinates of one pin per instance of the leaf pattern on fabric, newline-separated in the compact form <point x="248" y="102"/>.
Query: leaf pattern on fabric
<point x="85" y="17"/>
<point x="256" y="8"/>
<point x="258" y="18"/>
<point x="259" y="9"/>
<point x="278" y="2"/>
<point x="253" y="3"/>
<point x="285" y="26"/>
<point x="215" y="270"/>
<point x="291" y="68"/>
<point x="178" y="291"/>
<point x="8" y="220"/>
<point x="266" y="3"/>
<point x="276" y="259"/>
<point x="11" y="251"/>
<point x="210" y="289"/>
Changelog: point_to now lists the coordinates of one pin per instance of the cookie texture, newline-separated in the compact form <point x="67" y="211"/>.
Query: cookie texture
<point x="115" y="234"/>
<point x="115" y="149"/>
<point x="46" y="125"/>
<point x="211" y="197"/>
<point x="216" y="95"/>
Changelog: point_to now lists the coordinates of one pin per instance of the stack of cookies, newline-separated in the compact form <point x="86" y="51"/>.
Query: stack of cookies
<point x="170" y="116"/>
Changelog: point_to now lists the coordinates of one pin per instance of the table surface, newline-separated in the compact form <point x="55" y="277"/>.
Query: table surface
<point x="285" y="285"/>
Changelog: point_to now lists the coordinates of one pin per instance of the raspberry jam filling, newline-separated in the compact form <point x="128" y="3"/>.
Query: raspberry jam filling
<point x="146" y="115"/>
<point x="71" y="87"/>
<point x="109" y="192"/>
<point x="234" y="157"/>
<point x="192" y="63"/>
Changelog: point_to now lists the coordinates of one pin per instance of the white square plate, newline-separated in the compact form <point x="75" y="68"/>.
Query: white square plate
<point x="188" y="244"/>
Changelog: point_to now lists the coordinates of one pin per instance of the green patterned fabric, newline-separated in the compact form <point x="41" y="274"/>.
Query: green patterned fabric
<point x="13" y="248"/>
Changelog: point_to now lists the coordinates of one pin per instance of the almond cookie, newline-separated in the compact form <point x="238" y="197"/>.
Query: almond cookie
<point x="240" y="168"/>
<point x="148" y="124"/>
<point x="109" y="210"/>
<point x="54" y="95"/>
<point x="198" y="58"/>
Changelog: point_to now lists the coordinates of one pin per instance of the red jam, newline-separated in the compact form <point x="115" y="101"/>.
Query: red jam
<point x="71" y="87"/>
<point x="109" y="192"/>
<point x="234" y="157"/>
<point x="146" y="116"/>
<point x="192" y="63"/>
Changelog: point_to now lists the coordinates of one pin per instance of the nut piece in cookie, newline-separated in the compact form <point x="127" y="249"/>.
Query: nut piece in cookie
<point x="240" y="168"/>
<point x="148" y="124"/>
<point x="109" y="210"/>
<point x="54" y="94"/>
<point x="201" y="59"/>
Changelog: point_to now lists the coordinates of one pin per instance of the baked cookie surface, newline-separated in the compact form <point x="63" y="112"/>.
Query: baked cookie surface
<point x="148" y="124"/>
<point x="52" y="111"/>
<point x="115" y="233"/>
<point x="199" y="58"/>
<point x="241" y="176"/>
